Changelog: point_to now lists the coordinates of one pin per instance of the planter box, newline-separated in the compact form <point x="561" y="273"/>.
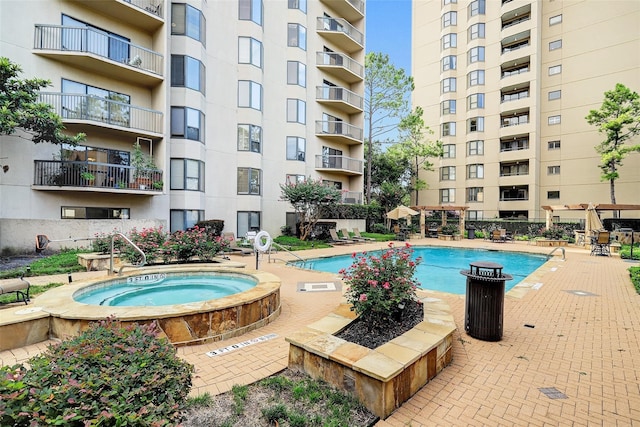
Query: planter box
<point x="551" y="242"/>
<point x="97" y="262"/>
<point x="449" y="237"/>
<point x="383" y="378"/>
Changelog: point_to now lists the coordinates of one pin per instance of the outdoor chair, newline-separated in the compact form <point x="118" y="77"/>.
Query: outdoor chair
<point x="335" y="239"/>
<point x="356" y="233"/>
<point x="601" y="244"/>
<point x="497" y="236"/>
<point x="233" y="243"/>
<point x="345" y="235"/>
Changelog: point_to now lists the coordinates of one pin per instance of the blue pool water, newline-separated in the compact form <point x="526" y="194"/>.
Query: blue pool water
<point x="163" y="289"/>
<point x="440" y="267"/>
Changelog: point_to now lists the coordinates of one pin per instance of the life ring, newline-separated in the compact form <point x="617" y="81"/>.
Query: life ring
<point x="257" y="241"/>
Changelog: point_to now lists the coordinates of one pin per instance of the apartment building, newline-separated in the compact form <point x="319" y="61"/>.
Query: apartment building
<point x="193" y="110"/>
<point x="507" y="85"/>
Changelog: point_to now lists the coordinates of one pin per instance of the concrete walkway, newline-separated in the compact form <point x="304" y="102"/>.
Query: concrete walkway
<point x="570" y="353"/>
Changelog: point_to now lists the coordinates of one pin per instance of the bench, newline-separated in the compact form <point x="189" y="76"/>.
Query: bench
<point x="19" y="286"/>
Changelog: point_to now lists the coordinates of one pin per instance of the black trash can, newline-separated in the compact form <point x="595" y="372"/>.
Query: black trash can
<point x="484" y="304"/>
<point x="471" y="233"/>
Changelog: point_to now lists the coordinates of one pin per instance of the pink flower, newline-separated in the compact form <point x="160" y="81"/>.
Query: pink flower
<point x="363" y="297"/>
<point x="386" y="285"/>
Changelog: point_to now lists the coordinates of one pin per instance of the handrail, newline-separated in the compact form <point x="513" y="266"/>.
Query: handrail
<point x="555" y="249"/>
<point x="288" y="251"/>
<point x="144" y="257"/>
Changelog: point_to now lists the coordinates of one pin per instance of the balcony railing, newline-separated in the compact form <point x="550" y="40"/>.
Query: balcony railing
<point x="340" y="26"/>
<point x="336" y="127"/>
<point x="517" y="145"/>
<point x="151" y="6"/>
<point x="339" y="162"/>
<point x="352" y="197"/>
<point x="515" y="71"/>
<point x="64" y="173"/>
<point x="338" y="61"/>
<point x="515" y="21"/>
<point x="514" y="172"/>
<point x="333" y="93"/>
<point x="514" y="96"/>
<point x="515" y="46"/>
<point x="101" y="110"/>
<point x="94" y="42"/>
<point x="514" y="121"/>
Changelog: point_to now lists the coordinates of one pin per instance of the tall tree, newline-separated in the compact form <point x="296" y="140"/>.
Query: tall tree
<point x="307" y="198"/>
<point x="20" y="109"/>
<point x="619" y="120"/>
<point x="417" y="148"/>
<point x="386" y="94"/>
<point x="390" y="174"/>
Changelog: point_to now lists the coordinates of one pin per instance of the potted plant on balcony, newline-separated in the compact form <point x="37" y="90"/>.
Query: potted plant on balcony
<point x="87" y="178"/>
<point x="143" y="167"/>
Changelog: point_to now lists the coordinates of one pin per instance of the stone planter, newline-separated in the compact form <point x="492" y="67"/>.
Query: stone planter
<point x="449" y="237"/>
<point x="95" y="261"/>
<point x="383" y="378"/>
<point x="551" y="242"/>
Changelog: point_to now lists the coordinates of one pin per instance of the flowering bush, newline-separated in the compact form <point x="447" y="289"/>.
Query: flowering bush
<point x="102" y="242"/>
<point x="380" y="285"/>
<point x="191" y="243"/>
<point x="149" y="240"/>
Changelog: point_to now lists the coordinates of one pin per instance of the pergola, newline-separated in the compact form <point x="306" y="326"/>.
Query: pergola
<point x="424" y="209"/>
<point x="583" y="207"/>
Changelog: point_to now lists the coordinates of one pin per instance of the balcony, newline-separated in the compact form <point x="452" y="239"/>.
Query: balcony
<point x="516" y="16"/>
<point x="104" y="113"/>
<point x="352" y="198"/>
<point x="351" y="10"/>
<point x="101" y="53"/>
<point x="340" y="164"/>
<point x="95" y="177"/>
<point x="340" y="32"/>
<point x="514" y="193"/>
<point x="341" y="66"/>
<point x="514" y="121"/>
<point x="517" y="168"/>
<point x="339" y="132"/>
<point x="514" y="144"/>
<point x="144" y="14"/>
<point x="340" y="98"/>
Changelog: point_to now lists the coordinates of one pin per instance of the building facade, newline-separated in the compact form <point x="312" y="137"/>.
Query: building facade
<point x="193" y="110"/>
<point x="507" y="86"/>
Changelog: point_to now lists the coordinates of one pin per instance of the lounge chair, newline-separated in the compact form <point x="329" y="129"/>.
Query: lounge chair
<point x="601" y="244"/>
<point x="356" y="234"/>
<point x="339" y="240"/>
<point x="497" y="236"/>
<point x="347" y="236"/>
<point x="233" y="243"/>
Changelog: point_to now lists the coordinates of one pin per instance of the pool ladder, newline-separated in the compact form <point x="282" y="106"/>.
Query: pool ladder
<point x="126" y="239"/>
<point x="555" y="249"/>
<point x="288" y="251"/>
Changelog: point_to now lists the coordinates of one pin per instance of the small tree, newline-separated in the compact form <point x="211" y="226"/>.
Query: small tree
<point x="19" y="108"/>
<point x="619" y="119"/>
<point x="307" y="198"/>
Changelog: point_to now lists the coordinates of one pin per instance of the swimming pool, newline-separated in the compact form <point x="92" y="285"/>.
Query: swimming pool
<point x="440" y="267"/>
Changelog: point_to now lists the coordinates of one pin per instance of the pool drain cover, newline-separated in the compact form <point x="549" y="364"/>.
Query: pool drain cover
<point x="318" y="286"/>
<point x="553" y="393"/>
<point x="581" y="293"/>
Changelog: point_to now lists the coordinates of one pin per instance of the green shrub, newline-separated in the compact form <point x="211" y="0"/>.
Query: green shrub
<point x="149" y="240"/>
<point x="213" y="227"/>
<point x="379" y="228"/>
<point x="195" y="242"/>
<point x="110" y="375"/>
<point x="635" y="277"/>
<point x="102" y="242"/>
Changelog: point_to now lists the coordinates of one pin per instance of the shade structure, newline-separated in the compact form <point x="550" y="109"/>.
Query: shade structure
<point x="592" y="222"/>
<point x="401" y="212"/>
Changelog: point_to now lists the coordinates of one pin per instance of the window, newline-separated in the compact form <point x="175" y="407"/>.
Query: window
<point x="555" y="94"/>
<point x="474" y="215"/>
<point x="249" y="138"/>
<point x="475" y="171"/>
<point x="75" y="212"/>
<point x="446" y="2"/>
<point x="248" y="221"/>
<point x="477" y="7"/>
<point x="449" y="85"/>
<point x="476" y="78"/>
<point x="332" y="158"/>
<point x="449" y="106"/>
<point x="296" y="148"/>
<point x="187" y="174"/>
<point x="553" y="194"/>
<point x="449" y="19"/>
<point x="296" y="73"/>
<point x="183" y="219"/>
<point x="555" y="20"/>
<point x="449" y="40"/>
<point x="188" y="21"/>
<point x="94" y="40"/>
<point x="449" y="129"/>
<point x="556" y="69"/>
<point x="475" y="124"/>
<point x="294" y="179"/>
<point x="554" y="120"/>
<point x="476" y="31"/>
<point x="449" y="63"/>
<point x="553" y="145"/>
<point x="187" y="123"/>
<point x="249" y="95"/>
<point x="553" y="170"/>
<point x="475" y="101"/>
<point x="86" y="102"/>
<point x="556" y="44"/>
<point x="187" y="72"/>
<point x="476" y="54"/>
<point x="447" y="195"/>
<point x="475" y="194"/>
<point x="297" y="36"/>
<point x="475" y="148"/>
<point x="296" y="111"/>
<point x="250" y="10"/>
<point x="449" y="151"/>
<point x="298" y="4"/>
<point x="448" y="173"/>
<point x="249" y="181"/>
<point x="249" y="51"/>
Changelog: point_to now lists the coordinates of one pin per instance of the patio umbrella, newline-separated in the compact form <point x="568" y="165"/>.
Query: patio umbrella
<point x="401" y="212"/>
<point x="592" y="222"/>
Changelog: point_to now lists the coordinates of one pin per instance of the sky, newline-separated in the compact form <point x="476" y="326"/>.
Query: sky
<point x="388" y="30"/>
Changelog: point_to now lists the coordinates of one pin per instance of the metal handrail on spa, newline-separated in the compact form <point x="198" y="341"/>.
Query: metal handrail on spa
<point x="144" y="257"/>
